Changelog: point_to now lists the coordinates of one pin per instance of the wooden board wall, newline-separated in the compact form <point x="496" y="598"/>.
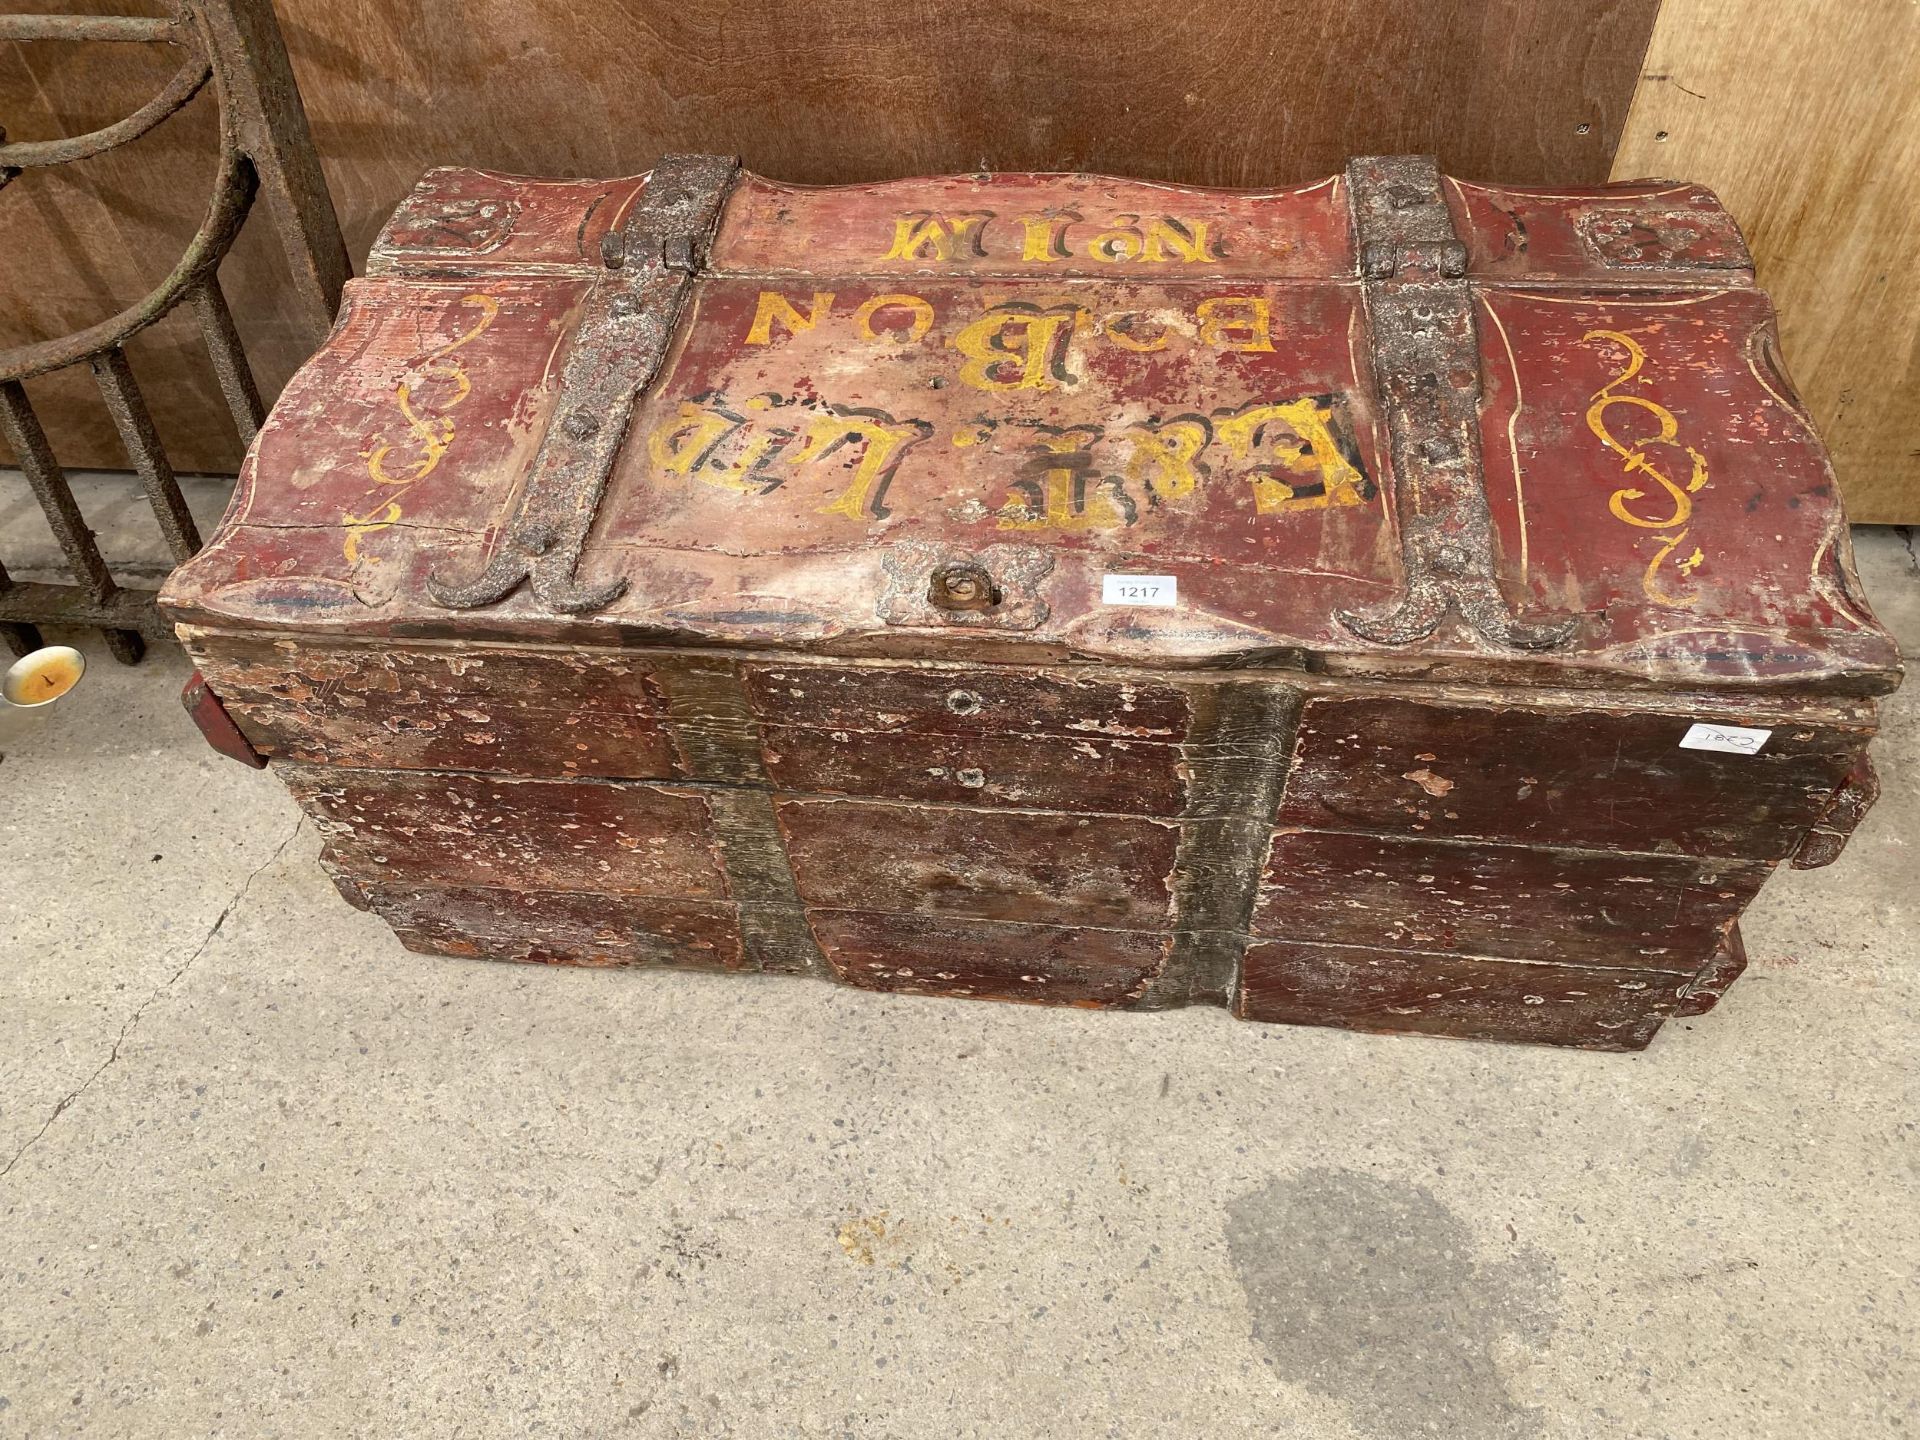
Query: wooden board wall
<point x="1804" y="115"/>
<point x="1235" y="92"/>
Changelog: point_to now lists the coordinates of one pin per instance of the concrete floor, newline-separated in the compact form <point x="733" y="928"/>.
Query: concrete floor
<point x="267" y="1174"/>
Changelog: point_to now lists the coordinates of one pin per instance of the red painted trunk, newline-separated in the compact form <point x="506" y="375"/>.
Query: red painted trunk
<point x="1393" y="603"/>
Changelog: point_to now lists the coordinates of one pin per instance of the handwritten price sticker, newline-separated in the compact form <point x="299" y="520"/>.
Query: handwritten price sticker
<point x="1162" y="590"/>
<point x="1733" y="739"/>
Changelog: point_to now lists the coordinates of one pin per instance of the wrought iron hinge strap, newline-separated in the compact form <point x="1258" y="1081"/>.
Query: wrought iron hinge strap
<point x="1426" y="365"/>
<point x="625" y="328"/>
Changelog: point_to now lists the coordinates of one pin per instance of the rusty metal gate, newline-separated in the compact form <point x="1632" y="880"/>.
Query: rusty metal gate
<point x="233" y="47"/>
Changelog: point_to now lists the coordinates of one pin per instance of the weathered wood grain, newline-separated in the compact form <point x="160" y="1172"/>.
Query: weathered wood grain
<point x="1462" y="995"/>
<point x="1091" y="773"/>
<point x="561" y="927"/>
<point x="1728" y="964"/>
<point x="990" y="960"/>
<point x="1802" y="117"/>
<point x="1105" y="870"/>
<point x="524" y="712"/>
<point x="971" y="701"/>
<point x="1602" y="779"/>
<point x="395" y="826"/>
<point x="1519" y="902"/>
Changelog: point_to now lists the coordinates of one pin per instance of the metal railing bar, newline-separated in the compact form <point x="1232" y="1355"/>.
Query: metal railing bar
<point x="233" y="193"/>
<point x="125" y="612"/>
<point x="20" y="427"/>
<point x="135" y="423"/>
<point x="22" y="638"/>
<point x="129" y="29"/>
<point x="185" y="84"/>
<point x="265" y="145"/>
<point x="230" y="367"/>
<point x="257" y="81"/>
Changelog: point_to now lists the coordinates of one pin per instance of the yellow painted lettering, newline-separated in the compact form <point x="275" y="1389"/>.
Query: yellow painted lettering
<point x="1016" y="349"/>
<point x="1044" y="239"/>
<point x="1186" y="239"/>
<point x="1064" y="495"/>
<point x="1327" y="476"/>
<point x="689" y="444"/>
<point x="677" y="444"/>
<point x="1163" y="457"/>
<point x="1119" y="329"/>
<point x="884" y="442"/>
<point x="919" y="318"/>
<point x="922" y="236"/>
<point x="1120" y="243"/>
<point x="774" y="306"/>
<point x="1236" y="322"/>
<point x="381" y="517"/>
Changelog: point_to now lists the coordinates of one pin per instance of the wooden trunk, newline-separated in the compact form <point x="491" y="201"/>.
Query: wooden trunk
<point x="1393" y="603"/>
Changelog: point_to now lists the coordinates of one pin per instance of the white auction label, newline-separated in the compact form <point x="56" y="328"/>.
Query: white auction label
<point x="1139" y="589"/>
<point x="1734" y="739"/>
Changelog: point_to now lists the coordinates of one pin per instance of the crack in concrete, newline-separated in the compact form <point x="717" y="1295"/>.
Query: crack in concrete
<point x="67" y="1101"/>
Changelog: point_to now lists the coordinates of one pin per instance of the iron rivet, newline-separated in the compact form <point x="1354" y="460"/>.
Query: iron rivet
<point x="963" y="702"/>
<point x="536" y="539"/>
<point x="623" y="307"/>
<point x="580" y="425"/>
<point x="613" y="249"/>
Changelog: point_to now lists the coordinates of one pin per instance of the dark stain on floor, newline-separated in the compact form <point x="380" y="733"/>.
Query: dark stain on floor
<point x="1372" y="1293"/>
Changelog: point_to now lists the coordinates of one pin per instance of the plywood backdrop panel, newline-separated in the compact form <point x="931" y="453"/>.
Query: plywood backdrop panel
<point x="1238" y="92"/>
<point x="1805" y="116"/>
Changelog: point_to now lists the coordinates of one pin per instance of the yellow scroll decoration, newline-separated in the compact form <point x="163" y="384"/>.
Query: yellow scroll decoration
<point x="433" y="385"/>
<point x="1671" y="512"/>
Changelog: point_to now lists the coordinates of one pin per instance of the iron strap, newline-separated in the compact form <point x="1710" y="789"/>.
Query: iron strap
<point x="625" y="327"/>
<point x="1426" y="367"/>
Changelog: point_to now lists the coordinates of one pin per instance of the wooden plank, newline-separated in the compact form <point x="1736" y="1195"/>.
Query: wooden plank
<point x="450" y="708"/>
<point x="970" y="701"/>
<point x="1802" y="117"/>
<point x="1639" y="911"/>
<point x="1462" y="995"/>
<point x="1245" y="92"/>
<point x="1601" y="779"/>
<point x="559" y="927"/>
<point x="1106" y="870"/>
<point x="1091" y="773"/>
<point x="989" y="960"/>
<point x="419" y="827"/>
